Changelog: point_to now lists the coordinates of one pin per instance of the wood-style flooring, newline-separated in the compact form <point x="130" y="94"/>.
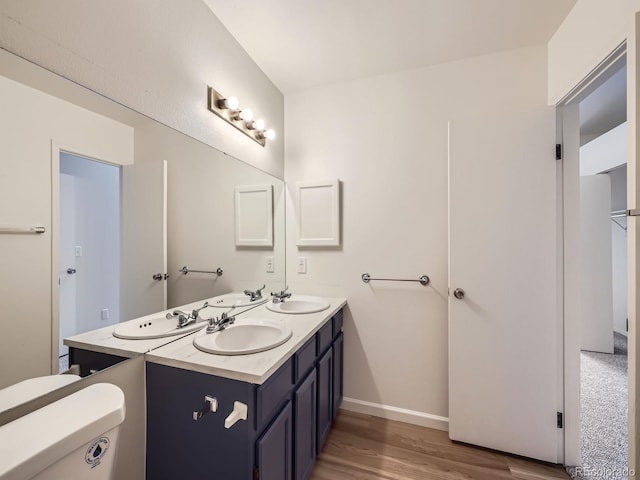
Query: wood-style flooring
<point x="361" y="447"/>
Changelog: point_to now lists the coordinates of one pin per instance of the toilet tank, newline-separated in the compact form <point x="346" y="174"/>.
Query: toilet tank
<point x="75" y="437"/>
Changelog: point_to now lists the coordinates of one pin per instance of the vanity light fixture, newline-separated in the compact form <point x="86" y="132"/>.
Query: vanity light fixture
<point x="228" y="108"/>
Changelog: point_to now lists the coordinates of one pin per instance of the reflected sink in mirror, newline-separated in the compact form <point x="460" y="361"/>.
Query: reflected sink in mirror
<point x="158" y="327"/>
<point x="299" y="304"/>
<point x="250" y="336"/>
<point x="237" y="299"/>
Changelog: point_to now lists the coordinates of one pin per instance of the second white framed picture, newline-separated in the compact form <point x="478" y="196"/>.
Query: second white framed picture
<point x="318" y="213"/>
<point x="254" y="216"/>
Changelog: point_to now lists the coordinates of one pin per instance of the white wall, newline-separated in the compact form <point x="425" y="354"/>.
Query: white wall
<point x="619" y="250"/>
<point x="97" y="231"/>
<point x="156" y="57"/>
<point x="596" y="303"/>
<point x="591" y="31"/>
<point x="29" y="120"/>
<point x="604" y="153"/>
<point x="385" y="137"/>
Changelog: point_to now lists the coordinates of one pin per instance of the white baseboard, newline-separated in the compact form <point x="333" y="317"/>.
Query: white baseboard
<point x="395" y="413"/>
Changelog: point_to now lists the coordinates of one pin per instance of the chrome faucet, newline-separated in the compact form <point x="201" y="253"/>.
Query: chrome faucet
<point x="196" y="311"/>
<point x="218" y="324"/>
<point x="280" y="297"/>
<point x="184" y="318"/>
<point x="253" y="296"/>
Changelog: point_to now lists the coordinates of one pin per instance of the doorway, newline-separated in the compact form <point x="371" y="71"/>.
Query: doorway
<point x="595" y="217"/>
<point x="89" y="247"/>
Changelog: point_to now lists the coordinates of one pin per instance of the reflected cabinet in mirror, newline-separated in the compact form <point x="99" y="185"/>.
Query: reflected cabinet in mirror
<point x="126" y="203"/>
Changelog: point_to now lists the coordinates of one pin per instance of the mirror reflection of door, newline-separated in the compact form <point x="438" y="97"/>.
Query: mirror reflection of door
<point x="89" y="247"/>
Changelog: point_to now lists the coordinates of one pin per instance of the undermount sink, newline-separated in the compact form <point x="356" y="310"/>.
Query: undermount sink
<point x="154" y="328"/>
<point x="238" y="299"/>
<point x="299" y="304"/>
<point x="250" y="336"/>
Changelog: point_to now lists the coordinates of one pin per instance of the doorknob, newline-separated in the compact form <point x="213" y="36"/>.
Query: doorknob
<point x="71" y="271"/>
<point x="458" y="293"/>
<point x="157" y="276"/>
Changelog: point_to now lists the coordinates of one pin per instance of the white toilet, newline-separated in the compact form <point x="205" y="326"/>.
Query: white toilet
<point x="75" y="437"/>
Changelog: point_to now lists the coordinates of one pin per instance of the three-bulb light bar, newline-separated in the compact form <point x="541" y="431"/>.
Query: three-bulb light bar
<point x="228" y="108"/>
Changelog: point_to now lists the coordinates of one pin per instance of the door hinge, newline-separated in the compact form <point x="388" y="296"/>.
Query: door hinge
<point x="559" y="419"/>
<point x="558" y="151"/>
<point x="256" y="473"/>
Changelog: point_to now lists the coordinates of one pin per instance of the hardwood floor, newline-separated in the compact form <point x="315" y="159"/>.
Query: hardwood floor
<point x="361" y="447"/>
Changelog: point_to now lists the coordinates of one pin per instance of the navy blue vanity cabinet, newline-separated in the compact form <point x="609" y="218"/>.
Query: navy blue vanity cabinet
<point x="289" y="417"/>
<point x="91" y="362"/>
<point x="304" y="406"/>
<point x="325" y="397"/>
<point x="274" y="448"/>
<point x="338" y="368"/>
<point x="179" y="446"/>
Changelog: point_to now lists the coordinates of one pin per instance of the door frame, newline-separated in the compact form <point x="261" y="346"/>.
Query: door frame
<point x="57" y="148"/>
<point x="568" y="136"/>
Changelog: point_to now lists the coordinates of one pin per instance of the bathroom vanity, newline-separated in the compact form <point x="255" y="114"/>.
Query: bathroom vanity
<point x="291" y="394"/>
<point x="289" y="415"/>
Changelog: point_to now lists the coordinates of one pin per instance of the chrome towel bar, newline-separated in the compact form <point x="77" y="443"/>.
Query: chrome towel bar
<point x="185" y="270"/>
<point x="12" y="229"/>
<point x="424" y="280"/>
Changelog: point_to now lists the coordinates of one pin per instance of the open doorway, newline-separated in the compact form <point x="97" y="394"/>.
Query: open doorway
<point x="89" y="247"/>
<point x="603" y="280"/>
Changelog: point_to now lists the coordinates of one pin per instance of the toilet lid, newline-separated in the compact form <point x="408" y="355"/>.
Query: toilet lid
<point x="32" y="443"/>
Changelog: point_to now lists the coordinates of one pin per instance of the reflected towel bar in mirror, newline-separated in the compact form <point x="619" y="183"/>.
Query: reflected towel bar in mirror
<point x="423" y="280"/>
<point x="17" y="230"/>
<point x="185" y="270"/>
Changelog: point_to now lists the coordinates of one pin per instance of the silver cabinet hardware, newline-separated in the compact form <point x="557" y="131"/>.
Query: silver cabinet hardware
<point x="71" y="271"/>
<point x="210" y="405"/>
<point x="458" y="293"/>
<point x="157" y="276"/>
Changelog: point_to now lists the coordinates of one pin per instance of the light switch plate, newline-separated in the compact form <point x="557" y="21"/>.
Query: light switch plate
<point x="269" y="264"/>
<point x="302" y="264"/>
<point x="78" y="250"/>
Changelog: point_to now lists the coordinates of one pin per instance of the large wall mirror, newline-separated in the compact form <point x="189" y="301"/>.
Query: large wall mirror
<point x="126" y="203"/>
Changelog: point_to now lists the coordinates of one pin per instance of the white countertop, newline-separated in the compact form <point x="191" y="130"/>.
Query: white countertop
<point x="253" y="368"/>
<point x="103" y="341"/>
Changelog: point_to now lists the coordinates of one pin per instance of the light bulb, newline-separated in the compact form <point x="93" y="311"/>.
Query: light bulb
<point x="231" y="103"/>
<point x="258" y="124"/>
<point x="270" y="134"/>
<point x="246" y="115"/>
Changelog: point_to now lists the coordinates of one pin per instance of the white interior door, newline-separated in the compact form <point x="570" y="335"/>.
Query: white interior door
<point x="596" y="282"/>
<point x="144" y="239"/>
<point x="503" y="365"/>
<point x="67" y="276"/>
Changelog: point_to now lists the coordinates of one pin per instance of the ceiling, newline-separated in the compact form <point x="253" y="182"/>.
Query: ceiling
<point x="301" y="44"/>
<point x="605" y="108"/>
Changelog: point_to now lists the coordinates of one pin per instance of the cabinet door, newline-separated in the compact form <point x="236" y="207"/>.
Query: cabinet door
<point x="274" y="448"/>
<point x="304" y="415"/>
<point x="338" y="369"/>
<point x="325" y="398"/>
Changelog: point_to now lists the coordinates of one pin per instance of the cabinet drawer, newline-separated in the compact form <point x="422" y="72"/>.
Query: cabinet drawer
<point x="325" y="335"/>
<point x="304" y="359"/>
<point x="274" y="393"/>
<point x="337" y="324"/>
